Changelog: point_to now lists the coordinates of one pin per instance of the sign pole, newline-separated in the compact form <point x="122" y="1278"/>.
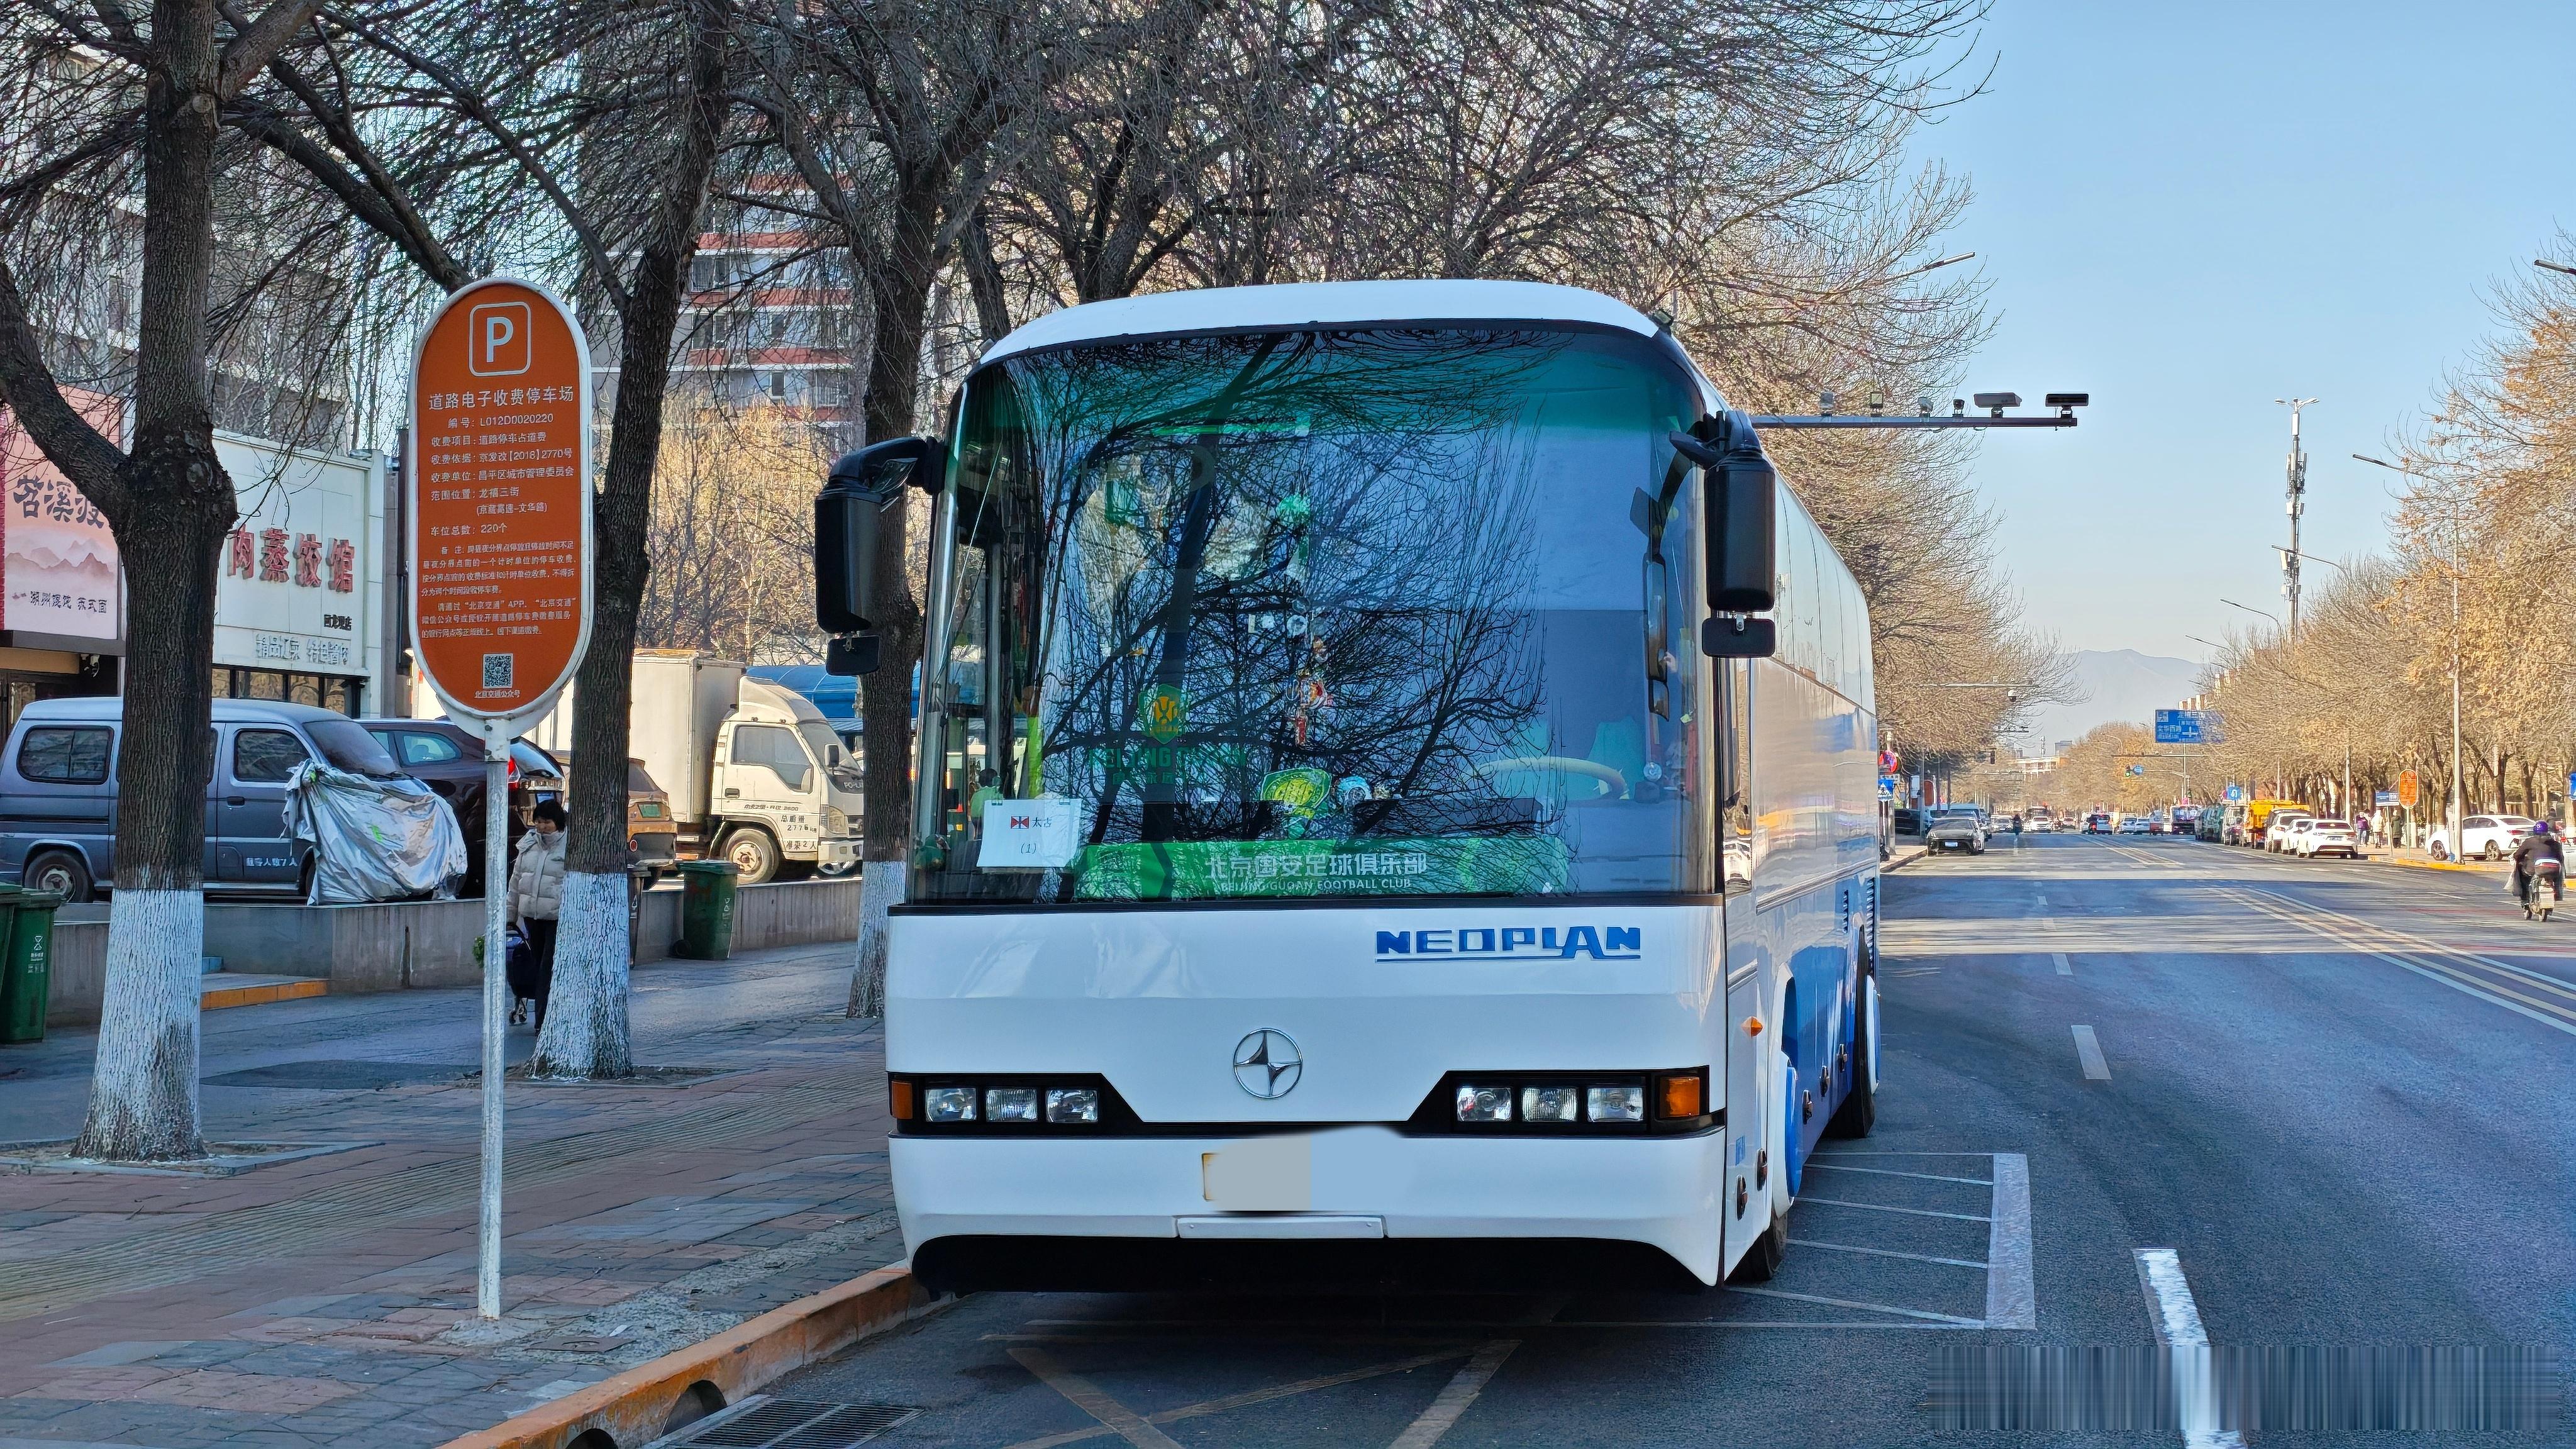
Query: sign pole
<point x="497" y="572"/>
<point x="496" y="1012"/>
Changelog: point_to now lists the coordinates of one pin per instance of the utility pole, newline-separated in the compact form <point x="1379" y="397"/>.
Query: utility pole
<point x="2298" y="499"/>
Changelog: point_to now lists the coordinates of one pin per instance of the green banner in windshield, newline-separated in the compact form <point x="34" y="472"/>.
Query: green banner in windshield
<point x="1516" y="865"/>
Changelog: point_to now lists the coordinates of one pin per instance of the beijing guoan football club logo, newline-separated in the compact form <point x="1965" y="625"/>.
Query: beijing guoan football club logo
<point x="1165" y="711"/>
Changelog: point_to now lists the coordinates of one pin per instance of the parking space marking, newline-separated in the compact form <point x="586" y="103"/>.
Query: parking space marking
<point x="1816" y="1160"/>
<point x="2177" y="1323"/>
<point x="2089" y="1052"/>
<point x="1250" y="1397"/>
<point x="2012" y="1299"/>
<point x="1878" y="1207"/>
<point x="1456" y="1397"/>
<point x="2063" y="969"/>
<point x="1889" y="1253"/>
<point x="1087" y="1396"/>
<point x="1922" y="1313"/>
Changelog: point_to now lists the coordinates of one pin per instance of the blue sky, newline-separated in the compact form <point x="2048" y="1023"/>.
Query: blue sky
<point x="2189" y="210"/>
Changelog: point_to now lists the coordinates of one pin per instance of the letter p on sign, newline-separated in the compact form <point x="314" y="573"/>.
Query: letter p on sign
<point x="497" y="340"/>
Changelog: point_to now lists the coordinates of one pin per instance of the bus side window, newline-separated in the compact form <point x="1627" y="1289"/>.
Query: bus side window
<point x="1735" y="768"/>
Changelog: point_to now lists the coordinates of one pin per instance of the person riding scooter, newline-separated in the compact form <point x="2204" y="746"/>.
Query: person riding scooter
<point x="2539" y="845"/>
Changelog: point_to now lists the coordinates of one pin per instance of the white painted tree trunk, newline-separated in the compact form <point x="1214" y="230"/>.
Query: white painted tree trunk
<point x="143" y="1087"/>
<point x="585" y="1033"/>
<point x="880" y="885"/>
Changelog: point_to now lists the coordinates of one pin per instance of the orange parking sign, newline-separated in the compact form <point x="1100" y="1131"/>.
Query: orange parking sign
<point x="2408" y="787"/>
<point x="498" y="486"/>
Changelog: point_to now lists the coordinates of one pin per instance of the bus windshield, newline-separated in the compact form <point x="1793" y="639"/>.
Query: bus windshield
<point x="1367" y="613"/>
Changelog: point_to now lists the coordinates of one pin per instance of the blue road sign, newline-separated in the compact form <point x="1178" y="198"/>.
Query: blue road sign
<point x="2385" y="797"/>
<point x="2236" y="795"/>
<point x="2177" y="726"/>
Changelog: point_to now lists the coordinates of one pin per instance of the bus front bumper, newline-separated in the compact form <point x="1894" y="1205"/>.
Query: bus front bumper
<point x="1113" y="1211"/>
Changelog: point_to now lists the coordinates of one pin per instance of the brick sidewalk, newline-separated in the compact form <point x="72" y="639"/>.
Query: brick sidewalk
<point x="329" y="1300"/>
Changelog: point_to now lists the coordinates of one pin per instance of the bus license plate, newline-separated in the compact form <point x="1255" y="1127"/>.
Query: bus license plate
<point x="1261" y="1175"/>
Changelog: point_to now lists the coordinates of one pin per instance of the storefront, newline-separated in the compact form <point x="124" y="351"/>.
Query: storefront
<point x="62" y="606"/>
<point x="300" y="608"/>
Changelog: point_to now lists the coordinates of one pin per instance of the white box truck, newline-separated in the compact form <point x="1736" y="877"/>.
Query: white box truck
<point x="755" y="774"/>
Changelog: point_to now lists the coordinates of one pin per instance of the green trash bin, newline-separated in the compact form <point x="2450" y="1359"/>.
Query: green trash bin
<point x="26" y="981"/>
<point x="706" y="909"/>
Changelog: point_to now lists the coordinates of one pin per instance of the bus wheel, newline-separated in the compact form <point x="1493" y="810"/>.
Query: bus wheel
<point x="1859" y="1111"/>
<point x="1765" y="1256"/>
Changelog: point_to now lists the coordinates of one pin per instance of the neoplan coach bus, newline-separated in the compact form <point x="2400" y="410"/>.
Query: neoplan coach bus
<point x="1397" y="784"/>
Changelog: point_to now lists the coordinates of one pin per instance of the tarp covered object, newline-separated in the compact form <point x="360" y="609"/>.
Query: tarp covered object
<point x="372" y="839"/>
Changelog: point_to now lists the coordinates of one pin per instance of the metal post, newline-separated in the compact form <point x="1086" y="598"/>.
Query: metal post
<point x="2459" y="775"/>
<point x="496" y="1011"/>
<point x="2298" y="495"/>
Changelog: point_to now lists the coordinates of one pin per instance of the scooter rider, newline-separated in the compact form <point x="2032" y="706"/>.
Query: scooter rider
<point x="2540" y="844"/>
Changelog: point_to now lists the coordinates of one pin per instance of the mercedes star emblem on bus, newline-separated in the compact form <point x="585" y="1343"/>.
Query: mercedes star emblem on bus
<point x="1266" y="1064"/>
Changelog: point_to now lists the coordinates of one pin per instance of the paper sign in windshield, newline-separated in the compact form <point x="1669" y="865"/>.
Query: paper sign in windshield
<point x="1038" y="834"/>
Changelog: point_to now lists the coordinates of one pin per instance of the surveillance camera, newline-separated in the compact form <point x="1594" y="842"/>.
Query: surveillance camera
<point x="1998" y="400"/>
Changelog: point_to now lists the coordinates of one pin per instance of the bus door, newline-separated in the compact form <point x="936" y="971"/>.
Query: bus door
<point x="1749" y="1054"/>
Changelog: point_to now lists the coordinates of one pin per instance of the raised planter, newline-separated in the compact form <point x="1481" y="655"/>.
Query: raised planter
<point x="422" y="944"/>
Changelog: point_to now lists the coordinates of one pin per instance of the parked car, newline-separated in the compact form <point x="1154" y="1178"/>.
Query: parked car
<point x="2137" y="825"/>
<point x="2288" y="829"/>
<point x="58" y="793"/>
<point x="449" y="759"/>
<point x="2211" y="826"/>
<point x="1956" y="832"/>
<point x="2494" y="836"/>
<point x="1906" y="820"/>
<point x="652" y="834"/>
<point x="2325" y="837"/>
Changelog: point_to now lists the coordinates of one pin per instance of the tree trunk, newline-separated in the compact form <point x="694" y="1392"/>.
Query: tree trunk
<point x="169" y="514"/>
<point x="586" y="1032"/>
<point x="902" y="301"/>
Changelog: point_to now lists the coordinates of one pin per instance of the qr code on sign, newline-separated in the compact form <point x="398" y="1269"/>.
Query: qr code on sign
<point x="500" y="671"/>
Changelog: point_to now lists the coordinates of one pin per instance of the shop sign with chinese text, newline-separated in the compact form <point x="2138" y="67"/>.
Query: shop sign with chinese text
<point x="58" y="568"/>
<point x="295" y="584"/>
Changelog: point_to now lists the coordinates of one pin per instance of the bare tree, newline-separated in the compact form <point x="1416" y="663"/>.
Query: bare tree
<point x="131" y="106"/>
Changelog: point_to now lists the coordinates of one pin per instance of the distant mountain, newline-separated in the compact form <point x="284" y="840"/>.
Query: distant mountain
<point x="2122" y="685"/>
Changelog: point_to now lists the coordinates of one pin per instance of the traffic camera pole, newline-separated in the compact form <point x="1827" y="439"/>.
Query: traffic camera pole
<point x="496" y="1011"/>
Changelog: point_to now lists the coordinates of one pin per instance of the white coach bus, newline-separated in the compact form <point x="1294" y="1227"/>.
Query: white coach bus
<point x="1397" y="786"/>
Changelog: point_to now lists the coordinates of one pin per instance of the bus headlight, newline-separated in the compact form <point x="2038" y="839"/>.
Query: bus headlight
<point x="948" y="1104"/>
<point x="1484" y="1104"/>
<point x="1550" y="1104"/>
<point x="1615" y="1104"/>
<point x="1011" y="1104"/>
<point x="1073" y="1104"/>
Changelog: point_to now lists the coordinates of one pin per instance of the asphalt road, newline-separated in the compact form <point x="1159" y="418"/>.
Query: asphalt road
<point x="2335" y="1095"/>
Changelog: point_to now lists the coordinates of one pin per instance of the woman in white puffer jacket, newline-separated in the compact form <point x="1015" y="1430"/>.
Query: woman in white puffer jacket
<point x="536" y="896"/>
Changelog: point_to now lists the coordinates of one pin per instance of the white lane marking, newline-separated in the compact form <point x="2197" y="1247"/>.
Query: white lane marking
<point x="1884" y="1208"/>
<point x="1125" y="1422"/>
<point x="2488" y="991"/>
<point x="1455" y="1398"/>
<point x="2546" y="982"/>
<point x="1890" y="1253"/>
<point x="1889" y="1172"/>
<point x="2011" y="1299"/>
<point x="2177" y="1324"/>
<point x="2089" y="1052"/>
<point x="2063" y="969"/>
<point x="1243" y="1400"/>
<point x="1924" y="1314"/>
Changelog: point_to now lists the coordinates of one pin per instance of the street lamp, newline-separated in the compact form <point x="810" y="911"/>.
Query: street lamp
<point x="2312" y="558"/>
<point x="2459" y="775"/>
<point x="2546" y="266"/>
<point x="2249" y="608"/>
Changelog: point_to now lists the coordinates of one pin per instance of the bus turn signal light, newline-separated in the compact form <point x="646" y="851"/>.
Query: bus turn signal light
<point x="1680" y="1094"/>
<point x="900" y="1096"/>
<point x="1752" y="1026"/>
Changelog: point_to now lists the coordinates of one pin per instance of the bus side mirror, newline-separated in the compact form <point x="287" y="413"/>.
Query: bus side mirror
<point x="1739" y="496"/>
<point x="848" y="514"/>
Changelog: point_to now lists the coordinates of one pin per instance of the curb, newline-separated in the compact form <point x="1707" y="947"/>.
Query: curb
<point x="1903" y="858"/>
<point x="2430" y="864"/>
<point x="633" y="1408"/>
<point x="218" y="998"/>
